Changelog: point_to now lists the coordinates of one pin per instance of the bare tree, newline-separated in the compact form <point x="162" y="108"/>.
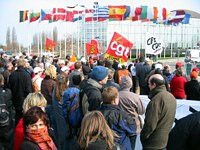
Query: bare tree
<point x="14" y="40"/>
<point x="55" y="37"/>
<point x="8" y="41"/>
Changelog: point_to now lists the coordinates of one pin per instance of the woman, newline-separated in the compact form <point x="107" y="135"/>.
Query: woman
<point x="48" y="83"/>
<point x="95" y="133"/>
<point x="33" y="99"/>
<point x="36" y="131"/>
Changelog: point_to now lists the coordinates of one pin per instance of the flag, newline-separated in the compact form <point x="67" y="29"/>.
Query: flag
<point x="153" y="45"/>
<point x="100" y="13"/>
<point x="46" y="14"/>
<point x="69" y="16"/>
<point x="77" y="15"/>
<point x="127" y="13"/>
<point x="92" y="47"/>
<point x="88" y="15"/>
<point x="176" y="16"/>
<point x="144" y="12"/>
<point x="33" y="16"/>
<point x="116" y="13"/>
<point x="136" y="13"/>
<point x="164" y="13"/>
<point x="186" y="19"/>
<point x="119" y="48"/>
<point x="59" y="14"/>
<point x="23" y="15"/>
<point x="50" y="44"/>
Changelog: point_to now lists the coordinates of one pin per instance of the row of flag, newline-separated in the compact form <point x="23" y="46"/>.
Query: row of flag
<point x="111" y="13"/>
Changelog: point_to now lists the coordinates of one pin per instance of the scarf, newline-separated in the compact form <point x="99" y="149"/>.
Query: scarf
<point x="41" y="138"/>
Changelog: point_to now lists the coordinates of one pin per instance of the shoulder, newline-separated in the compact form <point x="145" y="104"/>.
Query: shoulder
<point x="29" y="145"/>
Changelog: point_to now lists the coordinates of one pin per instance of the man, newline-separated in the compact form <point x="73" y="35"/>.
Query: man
<point x="93" y="87"/>
<point x="77" y="71"/>
<point x="20" y="85"/>
<point x="159" y="116"/>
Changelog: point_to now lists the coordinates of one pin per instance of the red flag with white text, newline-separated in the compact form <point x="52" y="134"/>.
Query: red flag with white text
<point x="119" y="48"/>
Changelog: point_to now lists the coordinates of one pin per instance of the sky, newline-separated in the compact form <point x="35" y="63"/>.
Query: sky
<point x="9" y="13"/>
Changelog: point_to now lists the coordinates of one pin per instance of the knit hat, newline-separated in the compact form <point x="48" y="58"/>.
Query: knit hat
<point x="99" y="73"/>
<point x="193" y="75"/>
<point x="126" y="82"/>
<point x="195" y="69"/>
<point x="179" y="64"/>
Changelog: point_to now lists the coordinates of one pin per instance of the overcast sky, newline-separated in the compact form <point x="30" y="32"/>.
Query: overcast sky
<point x="9" y="12"/>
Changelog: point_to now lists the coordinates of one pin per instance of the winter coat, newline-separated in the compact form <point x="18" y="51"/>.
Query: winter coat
<point x="192" y="90"/>
<point x="47" y="86"/>
<point x="185" y="134"/>
<point x="159" y="118"/>
<point x="177" y="86"/>
<point x="93" y="91"/>
<point x="121" y="123"/>
<point x="75" y="72"/>
<point x="20" y="85"/>
<point x="112" y="83"/>
<point x="29" y="145"/>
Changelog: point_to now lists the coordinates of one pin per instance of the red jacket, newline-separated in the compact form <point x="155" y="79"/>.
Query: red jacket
<point x="18" y="135"/>
<point x="177" y="86"/>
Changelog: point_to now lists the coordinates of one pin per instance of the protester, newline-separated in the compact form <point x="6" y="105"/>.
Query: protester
<point x="110" y="81"/>
<point x="159" y="116"/>
<point x="33" y="99"/>
<point x="37" y="79"/>
<point x="20" y="85"/>
<point x="177" y="85"/>
<point x="6" y="117"/>
<point x="36" y="131"/>
<point x="118" y="120"/>
<point x="95" y="133"/>
<point x="192" y="87"/>
<point x="48" y="83"/>
<point x="185" y="134"/>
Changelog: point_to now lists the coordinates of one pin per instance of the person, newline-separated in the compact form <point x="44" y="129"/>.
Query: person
<point x="117" y="119"/>
<point x="159" y="116"/>
<point x="6" y="116"/>
<point x="110" y="81"/>
<point x="192" y="87"/>
<point x="20" y="85"/>
<point x="33" y="99"/>
<point x="48" y="83"/>
<point x="131" y="102"/>
<point x="93" y="87"/>
<point x="37" y="78"/>
<point x="36" y="131"/>
<point x="177" y="85"/>
<point x="185" y="134"/>
<point x="77" y="71"/>
<point x="95" y="133"/>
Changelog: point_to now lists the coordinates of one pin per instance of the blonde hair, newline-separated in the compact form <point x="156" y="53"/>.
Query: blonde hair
<point x="94" y="126"/>
<point x="51" y="72"/>
<point x="34" y="99"/>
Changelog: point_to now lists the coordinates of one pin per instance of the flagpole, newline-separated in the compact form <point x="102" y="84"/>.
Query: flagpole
<point x="171" y="40"/>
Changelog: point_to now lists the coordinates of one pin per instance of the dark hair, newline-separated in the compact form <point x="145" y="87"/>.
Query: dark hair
<point x="61" y="85"/>
<point x="76" y="79"/>
<point x="157" y="81"/>
<point x="109" y="94"/>
<point x="77" y="65"/>
<point x="33" y="115"/>
<point x="179" y="72"/>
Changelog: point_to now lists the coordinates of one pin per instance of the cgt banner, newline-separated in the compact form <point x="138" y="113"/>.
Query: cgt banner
<point x="153" y="45"/>
<point x="119" y="48"/>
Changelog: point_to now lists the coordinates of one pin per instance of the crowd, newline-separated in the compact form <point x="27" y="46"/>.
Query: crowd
<point x="48" y="104"/>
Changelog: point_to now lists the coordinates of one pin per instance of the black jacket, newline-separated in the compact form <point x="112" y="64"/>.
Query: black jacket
<point x="20" y="85"/>
<point x="185" y="134"/>
<point x="29" y="145"/>
<point x="192" y="90"/>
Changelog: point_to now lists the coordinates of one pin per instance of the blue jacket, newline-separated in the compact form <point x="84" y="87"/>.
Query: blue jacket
<point x="121" y="123"/>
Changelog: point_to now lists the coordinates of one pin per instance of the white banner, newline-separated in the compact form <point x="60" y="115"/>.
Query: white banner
<point x="153" y="45"/>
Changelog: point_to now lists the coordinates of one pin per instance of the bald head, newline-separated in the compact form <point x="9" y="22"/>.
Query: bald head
<point x="156" y="80"/>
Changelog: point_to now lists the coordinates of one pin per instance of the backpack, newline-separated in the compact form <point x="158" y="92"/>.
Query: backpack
<point x="4" y="112"/>
<point x="71" y="107"/>
<point x="35" y="86"/>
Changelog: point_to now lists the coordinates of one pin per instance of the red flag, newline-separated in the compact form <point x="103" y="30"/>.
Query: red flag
<point x="59" y="14"/>
<point x="92" y="48"/>
<point x="69" y="16"/>
<point x="119" y="48"/>
<point x="50" y="44"/>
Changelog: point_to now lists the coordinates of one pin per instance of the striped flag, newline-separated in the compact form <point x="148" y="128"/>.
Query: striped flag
<point x="77" y="15"/>
<point x="116" y="13"/>
<point x="33" y="16"/>
<point x="186" y="19"/>
<point x="23" y="15"/>
<point x="176" y="16"/>
<point x="144" y="12"/>
<point x="136" y="13"/>
<point x="101" y="13"/>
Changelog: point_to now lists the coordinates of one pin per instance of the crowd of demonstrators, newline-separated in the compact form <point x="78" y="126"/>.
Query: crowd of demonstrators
<point x="91" y="104"/>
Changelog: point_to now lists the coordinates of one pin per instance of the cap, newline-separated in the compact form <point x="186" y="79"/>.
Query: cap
<point x="37" y="70"/>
